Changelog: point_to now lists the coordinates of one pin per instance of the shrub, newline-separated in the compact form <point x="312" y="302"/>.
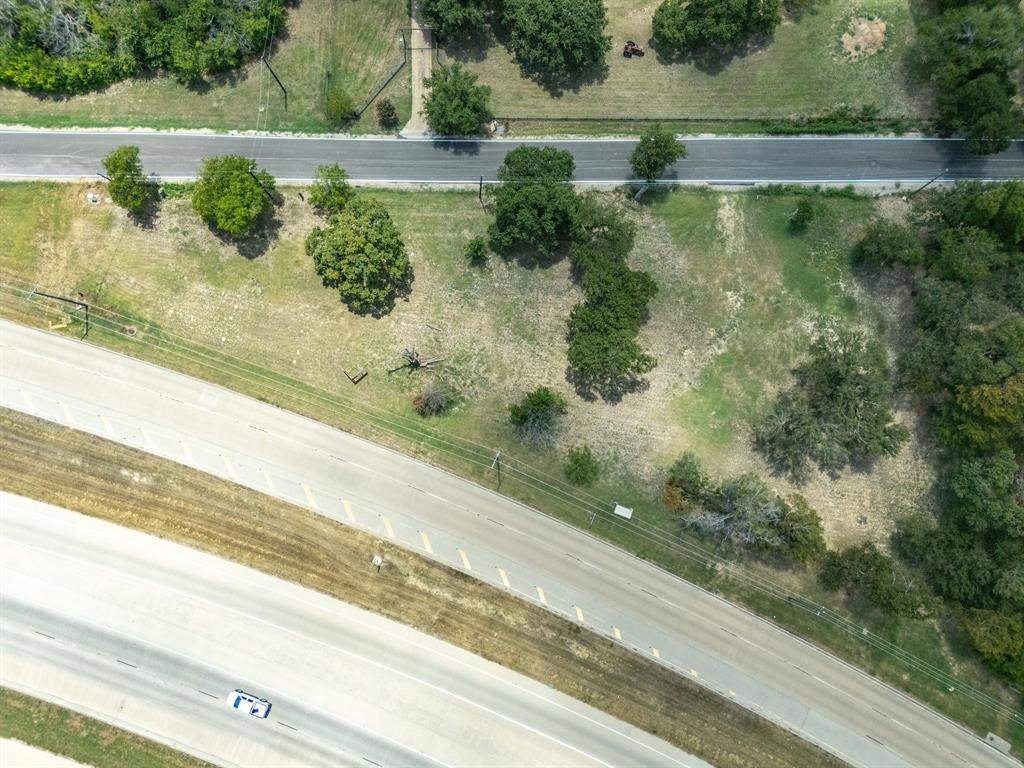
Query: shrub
<point x="128" y="186"/>
<point x="231" y="194"/>
<point x="581" y="468"/>
<point x="476" y="251"/>
<point x="537" y="414"/>
<point x="801" y="215"/>
<point x="888" y="244"/>
<point x="339" y="108"/>
<point x="657" y="150"/>
<point x="361" y="253"/>
<point x="331" y="191"/>
<point x="387" y="114"/>
<point x="555" y="40"/>
<point x="874" y="575"/>
<point x="456" y="105"/>
<point x="431" y="401"/>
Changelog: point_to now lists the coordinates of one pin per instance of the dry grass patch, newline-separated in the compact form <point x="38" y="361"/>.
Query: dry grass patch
<point x="864" y="37"/>
<point x="93" y="476"/>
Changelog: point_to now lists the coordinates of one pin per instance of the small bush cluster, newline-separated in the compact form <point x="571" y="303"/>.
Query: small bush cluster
<point x="432" y="400"/>
<point x="581" y="468"/>
<point x="744" y="511"/>
<point x="867" y="571"/>
<point x="536" y="416"/>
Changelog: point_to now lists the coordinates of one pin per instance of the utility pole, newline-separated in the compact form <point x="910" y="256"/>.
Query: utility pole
<point x="283" y="89"/>
<point x="496" y="464"/>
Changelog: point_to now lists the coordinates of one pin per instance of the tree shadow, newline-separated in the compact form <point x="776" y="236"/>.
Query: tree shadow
<point x="256" y="242"/>
<point x="467" y="147"/>
<point x="610" y="390"/>
<point x="146" y="216"/>
<point x="710" y="60"/>
<point x="471" y="48"/>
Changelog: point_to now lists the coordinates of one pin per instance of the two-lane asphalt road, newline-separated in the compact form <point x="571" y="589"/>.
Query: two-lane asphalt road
<point x="154" y="636"/>
<point x="487" y="536"/>
<point x="725" y="160"/>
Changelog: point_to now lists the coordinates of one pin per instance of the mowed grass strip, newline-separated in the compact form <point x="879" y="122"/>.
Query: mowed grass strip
<point x="92" y="742"/>
<point x="346" y="43"/>
<point x="127" y="487"/>
<point x="802" y="69"/>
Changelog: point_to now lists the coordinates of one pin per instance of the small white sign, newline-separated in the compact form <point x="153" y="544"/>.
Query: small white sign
<point x="622" y="511"/>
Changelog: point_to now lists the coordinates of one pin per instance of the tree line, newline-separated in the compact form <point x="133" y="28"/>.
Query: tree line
<point x="75" y="46"/>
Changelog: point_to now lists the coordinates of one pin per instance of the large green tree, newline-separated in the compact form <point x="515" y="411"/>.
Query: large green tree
<point x="360" y="252"/>
<point x="534" y="205"/>
<point x="682" y="25"/>
<point x="555" y="40"/>
<point x="657" y="150"/>
<point x="838" y="413"/>
<point x="456" y="105"/>
<point x="128" y="186"/>
<point x="231" y="194"/>
<point x="453" y="19"/>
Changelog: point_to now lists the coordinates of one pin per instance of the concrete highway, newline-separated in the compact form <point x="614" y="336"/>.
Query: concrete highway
<point x="493" y="538"/>
<point x="726" y="160"/>
<point x="153" y="636"/>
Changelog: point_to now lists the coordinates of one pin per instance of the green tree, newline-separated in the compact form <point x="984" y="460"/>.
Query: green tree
<point x="339" y="108"/>
<point x="231" y="195"/>
<point x="128" y="186"/>
<point x="886" y="243"/>
<point x="331" y="191"/>
<point x="360" y="252"/>
<point x="534" y="205"/>
<point x="869" y="572"/>
<point x="657" y="150"/>
<point x="476" y="251"/>
<point x="387" y="115"/>
<point x="456" y="105"/>
<point x="801" y="533"/>
<point x="838" y="413"/>
<point x="538" y="413"/>
<point x="680" y="25"/>
<point x="999" y="639"/>
<point x="454" y="19"/>
<point x="581" y="468"/>
<point x="555" y="40"/>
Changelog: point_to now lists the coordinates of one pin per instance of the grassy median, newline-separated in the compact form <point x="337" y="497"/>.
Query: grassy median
<point x="128" y="487"/>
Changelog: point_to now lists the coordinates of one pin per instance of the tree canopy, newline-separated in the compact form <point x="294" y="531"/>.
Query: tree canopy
<point x="360" y="252"/>
<point x="456" y="105"/>
<point x="74" y="46"/>
<point x="657" y="150"/>
<point x="556" y="39"/>
<point x="128" y="186"/>
<point x="534" y="205"/>
<point x="537" y="414"/>
<point x="453" y="19"/>
<point x="838" y="413"/>
<point x="331" y="191"/>
<point x="228" y="198"/>
<point x="681" y="25"/>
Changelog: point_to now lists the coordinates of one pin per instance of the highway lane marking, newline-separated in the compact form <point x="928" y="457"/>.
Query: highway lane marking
<point x="373" y="662"/>
<point x="187" y="451"/>
<point x="426" y="542"/>
<point x="270" y="483"/>
<point x="387" y="526"/>
<point x="348" y="510"/>
<point x="540" y="595"/>
<point x="67" y="413"/>
<point x="655" y="652"/>
<point x="107" y="425"/>
<point x="504" y="578"/>
<point x="309" y="496"/>
<point x="230" y="467"/>
<point x="150" y="445"/>
<point x="617" y="633"/>
<point x="579" y="614"/>
<point x="465" y="560"/>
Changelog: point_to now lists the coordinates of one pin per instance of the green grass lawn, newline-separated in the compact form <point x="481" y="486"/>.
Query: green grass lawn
<point x="83" y="739"/>
<point x="353" y="43"/>
<point x="739" y="296"/>
<point x="803" y="69"/>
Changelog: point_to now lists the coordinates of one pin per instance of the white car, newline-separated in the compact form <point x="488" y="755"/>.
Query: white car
<point x="248" y="704"/>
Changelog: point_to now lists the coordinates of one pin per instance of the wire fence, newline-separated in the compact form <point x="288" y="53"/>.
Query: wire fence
<point x="387" y="77"/>
<point x="658" y="544"/>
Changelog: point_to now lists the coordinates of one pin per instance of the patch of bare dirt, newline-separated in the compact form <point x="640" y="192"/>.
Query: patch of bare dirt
<point x="864" y="37"/>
